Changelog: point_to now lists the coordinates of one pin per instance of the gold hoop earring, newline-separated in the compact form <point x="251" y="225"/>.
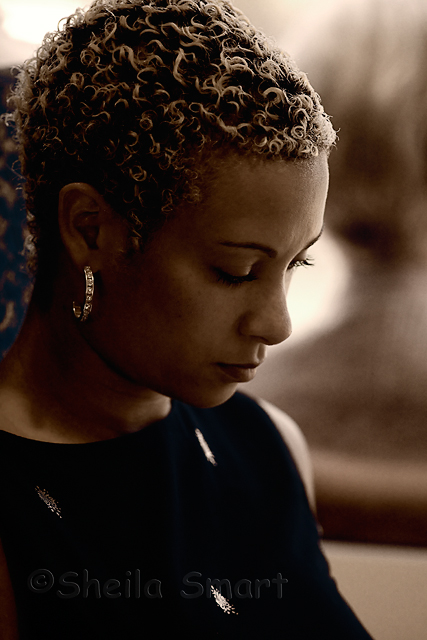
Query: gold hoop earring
<point x="80" y="314"/>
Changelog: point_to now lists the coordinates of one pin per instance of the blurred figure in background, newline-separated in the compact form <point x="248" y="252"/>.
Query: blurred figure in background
<point x="14" y="279"/>
<point x="359" y="388"/>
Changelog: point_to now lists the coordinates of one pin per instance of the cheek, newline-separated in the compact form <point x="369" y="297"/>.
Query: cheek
<point x="195" y="319"/>
<point x="175" y="295"/>
<point x="169" y="315"/>
<point x="172" y="310"/>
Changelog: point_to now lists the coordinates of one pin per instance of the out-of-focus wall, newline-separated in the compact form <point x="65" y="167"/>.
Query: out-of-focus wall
<point x="385" y="587"/>
<point x="24" y="23"/>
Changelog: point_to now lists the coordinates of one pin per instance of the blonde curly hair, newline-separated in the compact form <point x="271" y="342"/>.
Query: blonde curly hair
<point x="136" y="98"/>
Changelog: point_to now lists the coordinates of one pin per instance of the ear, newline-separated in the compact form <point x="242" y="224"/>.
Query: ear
<point x="90" y="230"/>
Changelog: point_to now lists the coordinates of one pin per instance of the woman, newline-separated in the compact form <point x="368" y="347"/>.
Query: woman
<point x="176" y="169"/>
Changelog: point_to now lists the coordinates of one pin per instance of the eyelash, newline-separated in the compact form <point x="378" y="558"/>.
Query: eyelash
<point x="306" y="262"/>
<point x="226" y="278"/>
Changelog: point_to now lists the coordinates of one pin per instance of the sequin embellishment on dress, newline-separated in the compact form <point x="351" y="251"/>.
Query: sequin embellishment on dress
<point x="49" y="501"/>
<point x="208" y="453"/>
<point x="223" y="602"/>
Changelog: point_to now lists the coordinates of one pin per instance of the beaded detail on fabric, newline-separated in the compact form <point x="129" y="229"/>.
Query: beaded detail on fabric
<point x="206" y="450"/>
<point x="223" y="602"/>
<point x="49" y="501"/>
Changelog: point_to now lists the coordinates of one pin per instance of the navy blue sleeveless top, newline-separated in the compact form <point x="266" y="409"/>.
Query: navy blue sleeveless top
<point x="196" y="525"/>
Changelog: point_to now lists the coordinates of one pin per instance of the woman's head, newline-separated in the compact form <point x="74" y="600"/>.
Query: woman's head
<point x="191" y="315"/>
<point x="139" y="98"/>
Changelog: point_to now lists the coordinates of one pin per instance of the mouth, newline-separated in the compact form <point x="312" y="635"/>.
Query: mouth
<point x="239" y="372"/>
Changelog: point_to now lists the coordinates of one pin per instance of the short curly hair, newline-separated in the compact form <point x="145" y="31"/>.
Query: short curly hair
<point x="136" y="97"/>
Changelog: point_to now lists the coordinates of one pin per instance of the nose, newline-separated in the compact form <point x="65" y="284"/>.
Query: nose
<point x="267" y="318"/>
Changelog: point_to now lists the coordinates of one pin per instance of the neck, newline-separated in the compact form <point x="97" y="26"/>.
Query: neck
<point x="54" y="387"/>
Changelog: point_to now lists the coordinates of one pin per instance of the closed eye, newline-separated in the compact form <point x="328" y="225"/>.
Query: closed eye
<point x="230" y="280"/>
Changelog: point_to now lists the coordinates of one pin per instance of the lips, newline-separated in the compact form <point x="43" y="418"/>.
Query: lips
<point x="239" y="372"/>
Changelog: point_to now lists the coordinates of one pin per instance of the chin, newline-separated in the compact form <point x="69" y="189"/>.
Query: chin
<point x="206" y="399"/>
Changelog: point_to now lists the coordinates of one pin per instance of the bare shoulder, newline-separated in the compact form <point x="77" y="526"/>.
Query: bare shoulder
<point x="12" y="410"/>
<point x="11" y="401"/>
<point x="296" y="443"/>
<point x="19" y="405"/>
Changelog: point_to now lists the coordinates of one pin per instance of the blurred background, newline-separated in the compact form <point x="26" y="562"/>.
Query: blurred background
<point x="354" y="372"/>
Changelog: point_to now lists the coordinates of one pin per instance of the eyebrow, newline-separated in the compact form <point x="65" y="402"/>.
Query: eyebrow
<point x="272" y="253"/>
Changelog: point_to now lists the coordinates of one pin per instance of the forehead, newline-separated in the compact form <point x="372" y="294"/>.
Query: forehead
<point x="246" y="179"/>
<point x="285" y="198"/>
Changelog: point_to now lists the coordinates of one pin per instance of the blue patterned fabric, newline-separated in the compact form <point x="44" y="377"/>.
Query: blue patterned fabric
<point x="15" y="281"/>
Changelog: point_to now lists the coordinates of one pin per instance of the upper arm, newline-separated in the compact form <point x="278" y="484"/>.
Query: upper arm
<point x="297" y="445"/>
